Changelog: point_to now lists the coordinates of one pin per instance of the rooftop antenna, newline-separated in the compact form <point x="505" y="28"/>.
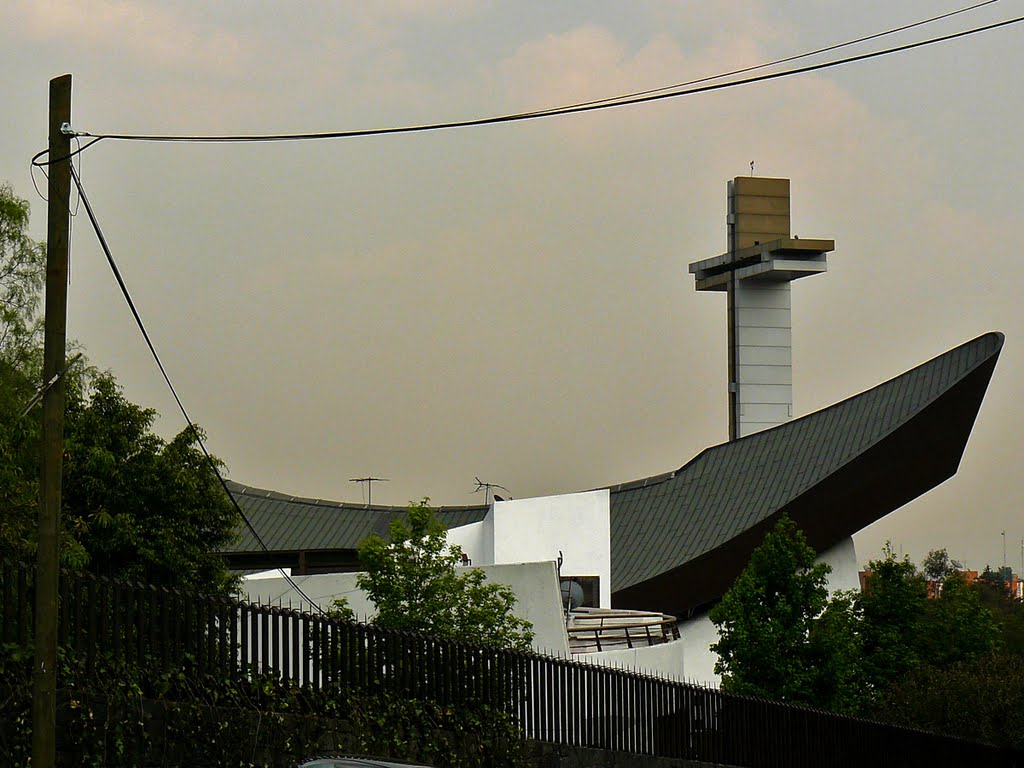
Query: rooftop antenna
<point x="486" y="488"/>
<point x="369" y="485"/>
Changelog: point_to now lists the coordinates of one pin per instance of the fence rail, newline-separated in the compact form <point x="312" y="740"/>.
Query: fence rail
<point x="557" y="700"/>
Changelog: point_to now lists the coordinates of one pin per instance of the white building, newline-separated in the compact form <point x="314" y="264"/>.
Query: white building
<point x="674" y="543"/>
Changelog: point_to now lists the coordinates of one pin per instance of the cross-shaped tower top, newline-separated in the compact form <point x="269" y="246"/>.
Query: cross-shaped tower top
<point x="762" y="260"/>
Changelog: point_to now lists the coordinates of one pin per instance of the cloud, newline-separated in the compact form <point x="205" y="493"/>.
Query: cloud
<point x="447" y="11"/>
<point x="589" y="62"/>
<point x="148" y="34"/>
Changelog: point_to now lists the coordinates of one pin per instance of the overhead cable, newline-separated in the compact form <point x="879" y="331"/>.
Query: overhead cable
<point x="196" y="434"/>
<point x="629" y="100"/>
<point x="785" y="60"/>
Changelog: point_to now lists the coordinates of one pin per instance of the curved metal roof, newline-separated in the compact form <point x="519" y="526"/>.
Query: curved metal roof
<point x="294" y="523"/>
<point x="679" y="539"/>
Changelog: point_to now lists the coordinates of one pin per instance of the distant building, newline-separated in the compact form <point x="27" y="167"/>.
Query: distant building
<point x="1014" y="583"/>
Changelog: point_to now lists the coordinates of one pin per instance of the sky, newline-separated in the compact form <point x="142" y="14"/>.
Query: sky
<point x="512" y="302"/>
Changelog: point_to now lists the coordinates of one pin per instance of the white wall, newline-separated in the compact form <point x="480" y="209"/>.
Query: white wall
<point x="321" y="588"/>
<point x="576" y="524"/>
<point x="698" y="635"/>
<point x="476" y="541"/>
<point x="667" y="659"/>
<point x="535" y="586"/>
<point x="538" y="601"/>
<point x="843" y="559"/>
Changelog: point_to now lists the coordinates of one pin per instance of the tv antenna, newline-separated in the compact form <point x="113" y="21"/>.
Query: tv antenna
<point x="369" y="486"/>
<point x="487" y="488"/>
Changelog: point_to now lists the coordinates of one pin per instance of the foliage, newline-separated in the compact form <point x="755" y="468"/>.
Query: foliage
<point x="1008" y="612"/>
<point x="340" y="609"/>
<point x="980" y="699"/>
<point x="782" y="637"/>
<point x="126" y="715"/>
<point x="893" y="606"/>
<point x="937" y="566"/>
<point x="958" y="626"/>
<point x="767" y="618"/>
<point x="139" y="506"/>
<point x="134" y="505"/>
<point x="384" y="724"/>
<point x="22" y="272"/>
<point x="414" y="583"/>
<point x="996" y="579"/>
<point x="838" y="656"/>
<point x="904" y="631"/>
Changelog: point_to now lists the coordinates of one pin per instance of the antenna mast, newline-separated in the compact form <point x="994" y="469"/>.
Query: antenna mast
<point x="369" y="485"/>
<point x="486" y="488"/>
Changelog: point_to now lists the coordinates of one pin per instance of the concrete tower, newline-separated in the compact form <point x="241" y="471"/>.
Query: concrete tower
<point x="762" y="260"/>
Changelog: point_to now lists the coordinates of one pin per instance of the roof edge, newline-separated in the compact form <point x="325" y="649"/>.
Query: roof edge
<point x="240" y="489"/>
<point x="997" y="339"/>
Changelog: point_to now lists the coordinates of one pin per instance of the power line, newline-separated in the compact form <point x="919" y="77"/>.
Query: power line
<point x="628" y="100"/>
<point x="785" y="60"/>
<point x="196" y="433"/>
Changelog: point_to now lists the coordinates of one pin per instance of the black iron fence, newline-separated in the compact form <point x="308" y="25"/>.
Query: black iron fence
<point x="557" y="700"/>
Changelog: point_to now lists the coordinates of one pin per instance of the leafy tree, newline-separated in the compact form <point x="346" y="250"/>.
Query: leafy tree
<point x="139" y="506"/>
<point x="958" y="626"/>
<point x="893" y="606"/>
<point x="980" y="700"/>
<point x="838" y="656"/>
<point x="414" y="583"/>
<point x="994" y="594"/>
<point x="767" y="618"/>
<point x="996" y="580"/>
<point x="22" y="272"/>
<point x="134" y="505"/>
<point x="937" y="566"/>
<point x="782" y="637"/>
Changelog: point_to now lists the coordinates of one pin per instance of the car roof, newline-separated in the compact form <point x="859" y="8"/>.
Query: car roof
<point x="354" y="762"/>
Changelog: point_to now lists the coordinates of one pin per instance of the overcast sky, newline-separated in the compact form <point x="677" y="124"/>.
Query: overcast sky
<point x="512" y="302"/>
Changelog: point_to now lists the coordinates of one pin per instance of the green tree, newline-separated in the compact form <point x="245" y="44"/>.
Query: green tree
<point x="937" y="566"/>
<point x="958" y="626"/>
<point x="893" y="607"/>
<point x="838" y="656"/>
<point x="767" y="618"/>
<point x="22" y="271"/>
<point x="994" y="594"/>
<point x="134" y="505"/>
<point x="138" y="506"/>
<point x="980" y="700"/>
<point x="414" y="582"/>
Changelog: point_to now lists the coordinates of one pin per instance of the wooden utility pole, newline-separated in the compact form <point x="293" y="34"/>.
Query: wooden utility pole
<point x="44" y="670"/>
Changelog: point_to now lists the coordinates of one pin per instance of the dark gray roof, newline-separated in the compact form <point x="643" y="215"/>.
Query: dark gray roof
<point x="661" y="524"/>
<point x="292" y="523"/>
<point x="679" y="539"/>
